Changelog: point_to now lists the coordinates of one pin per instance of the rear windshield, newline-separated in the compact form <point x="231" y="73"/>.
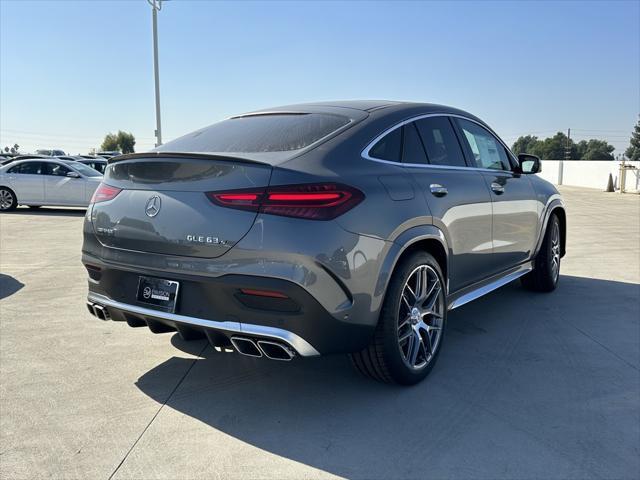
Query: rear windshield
<point x="259" y="133"/>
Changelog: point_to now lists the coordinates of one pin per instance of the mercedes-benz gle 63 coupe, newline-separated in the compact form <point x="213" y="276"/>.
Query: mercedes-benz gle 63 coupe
<point x="342" y="227"/>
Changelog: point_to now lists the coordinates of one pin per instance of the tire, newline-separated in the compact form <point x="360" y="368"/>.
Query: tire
<point x="421" y="322"/>
<point x="546" y="270"/>
<point x="8" y="200"/>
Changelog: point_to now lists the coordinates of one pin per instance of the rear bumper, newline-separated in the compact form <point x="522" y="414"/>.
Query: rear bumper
<point x="135" y="315"/>
<point x="216" y="308"/>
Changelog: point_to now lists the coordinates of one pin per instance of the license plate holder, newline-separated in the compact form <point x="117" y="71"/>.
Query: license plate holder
<point x="159" y="292"/>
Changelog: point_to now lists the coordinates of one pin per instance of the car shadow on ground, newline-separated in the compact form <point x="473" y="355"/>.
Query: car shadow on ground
<point x="48" y="211"/>
<point x="8" y="286"/>
<point x="514" y="388"/>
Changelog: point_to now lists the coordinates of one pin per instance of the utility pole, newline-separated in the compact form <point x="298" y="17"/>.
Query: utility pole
<point x="156" y="6"/>
<point x="567" y="150"/>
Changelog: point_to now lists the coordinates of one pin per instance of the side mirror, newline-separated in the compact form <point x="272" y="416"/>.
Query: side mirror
<point x="73" y="174"/>
<point x="529" y="163"/>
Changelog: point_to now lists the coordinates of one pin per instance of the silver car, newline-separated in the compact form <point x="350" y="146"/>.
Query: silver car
<point x="37" y="182"/>
<point x="343" y="227"/>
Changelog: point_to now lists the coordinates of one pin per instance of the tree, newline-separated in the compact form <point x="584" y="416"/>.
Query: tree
<point x="555" y="148"/>
<point x="121" y="141"/>
<point x="597" y="150"/>
<point x="525" y="144"/>
<point x="633" y="152"/>
<point x="110" y="142"/>
<point x="126" y="141"/>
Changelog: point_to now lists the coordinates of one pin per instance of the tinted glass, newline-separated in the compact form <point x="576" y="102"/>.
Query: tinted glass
<point x="27" y="168"/>
<point x="259" y="133"/>
<point x="56" y="169"/>
<point x="388" y="147"/>
<point x="440" y="142"/>
<point x="487" y="151"/>
<point x="412" y="149"/>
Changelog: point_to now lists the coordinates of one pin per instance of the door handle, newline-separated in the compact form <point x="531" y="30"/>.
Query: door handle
<point x="438" y="190"/>
<point x="497" y="188"/>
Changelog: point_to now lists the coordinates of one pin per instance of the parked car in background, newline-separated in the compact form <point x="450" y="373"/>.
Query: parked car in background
<point x="98" y="164"/>
<point x="344" y="227"/>
<point x="50" y="153"/>
<point x="53" y="182"/>
<point x="109" y="154"/>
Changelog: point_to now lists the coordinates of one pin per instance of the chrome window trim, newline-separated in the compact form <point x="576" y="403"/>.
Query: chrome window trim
<point x="365" y="152"/>
<point x="298" y="343"/>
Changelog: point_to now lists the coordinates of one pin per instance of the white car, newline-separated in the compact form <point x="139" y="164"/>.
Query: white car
<point x="52" y="182"/>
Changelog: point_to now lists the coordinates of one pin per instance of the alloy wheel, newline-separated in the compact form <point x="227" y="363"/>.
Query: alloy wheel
<point x="6" y="199"/>
<point x="555" y="251"/>
<point x="421" y="317"/>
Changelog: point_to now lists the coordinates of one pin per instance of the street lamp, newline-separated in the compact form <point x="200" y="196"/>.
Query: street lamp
<point x="156" y="6"/>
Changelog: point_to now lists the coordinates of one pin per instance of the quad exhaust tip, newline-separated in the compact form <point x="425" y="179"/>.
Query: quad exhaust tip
<point x="98" y="311"/>
<point x="246" y="346"/>
<point x="275" y="351"/>
<point x="269" y="349"/>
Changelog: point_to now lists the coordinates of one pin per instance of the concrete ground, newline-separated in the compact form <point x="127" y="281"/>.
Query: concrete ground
<point x="527" y="386"/>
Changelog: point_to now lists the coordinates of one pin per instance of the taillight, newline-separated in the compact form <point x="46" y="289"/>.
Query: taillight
<point x="315" y="201"/>
<point x="105" y="192"/>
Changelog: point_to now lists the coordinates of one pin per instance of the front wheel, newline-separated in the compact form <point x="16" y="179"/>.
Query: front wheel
<point x="546" y="270"/>
<point x="8" y="200"/>
<point x="412" y="323"/>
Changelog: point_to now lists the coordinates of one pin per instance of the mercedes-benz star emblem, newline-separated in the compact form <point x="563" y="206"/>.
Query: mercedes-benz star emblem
<point x="153" y="206"/>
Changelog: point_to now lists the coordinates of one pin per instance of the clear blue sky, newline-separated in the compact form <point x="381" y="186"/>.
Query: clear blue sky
<point x="72" y="71"/>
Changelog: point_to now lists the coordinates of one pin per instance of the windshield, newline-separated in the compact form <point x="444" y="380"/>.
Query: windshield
<point x="259" y="133"/>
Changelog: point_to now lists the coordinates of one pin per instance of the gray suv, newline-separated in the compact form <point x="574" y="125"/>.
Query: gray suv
<point x="341" y="227"/>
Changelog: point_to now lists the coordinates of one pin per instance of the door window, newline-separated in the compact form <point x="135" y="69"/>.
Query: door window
<point x="27" y="168"/>
<point x="412" y="149"/>
<point x="56" y="169"/>
<point x="440" y="142"/>
<point x="486" y="149"/>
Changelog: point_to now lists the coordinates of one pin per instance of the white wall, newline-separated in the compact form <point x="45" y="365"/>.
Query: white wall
<point x="589" y="173"/>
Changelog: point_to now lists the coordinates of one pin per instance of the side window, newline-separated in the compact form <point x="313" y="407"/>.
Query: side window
<point x="388" y="147"/>
<point x="412" y="150"/>
<point x="440" y="142"/>
<point x="27" y="168"/>
<point x="487" y="151"/>
<point x="56" y="169"/>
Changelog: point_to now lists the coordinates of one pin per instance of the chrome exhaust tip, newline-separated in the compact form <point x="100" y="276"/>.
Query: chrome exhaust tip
<point x="246" y="346"/>
<point x="276" y="351"/>
<point x="92" y="310"/>
<point x="101" y="312"/>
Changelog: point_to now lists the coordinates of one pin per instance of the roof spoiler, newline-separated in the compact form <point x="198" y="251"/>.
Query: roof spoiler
<point x="191" y="155"/>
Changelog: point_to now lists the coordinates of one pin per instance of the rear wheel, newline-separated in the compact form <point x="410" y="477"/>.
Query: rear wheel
<point x="8" y="200"/>
<point x="546" y="271"/>
<point x="411" y="327"/>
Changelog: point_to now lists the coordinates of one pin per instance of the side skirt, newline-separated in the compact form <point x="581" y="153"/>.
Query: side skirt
<point x="480" y="289"/>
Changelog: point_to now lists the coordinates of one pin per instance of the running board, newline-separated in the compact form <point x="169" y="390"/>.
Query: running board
<point x="491" y="286"/>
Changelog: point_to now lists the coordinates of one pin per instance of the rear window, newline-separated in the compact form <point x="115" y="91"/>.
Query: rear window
<point x="259" y="133"/>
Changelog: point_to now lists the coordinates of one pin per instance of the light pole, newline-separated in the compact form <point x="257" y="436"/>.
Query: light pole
<point x="156" y="6"/>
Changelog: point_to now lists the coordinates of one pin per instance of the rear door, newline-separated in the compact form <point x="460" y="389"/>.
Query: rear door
<point x="515" y="210"/>
<point x="27" y="181"/>
<point x="457" y="197"/>
<point x="163" y="207"/>
<point x="60" y="189"/>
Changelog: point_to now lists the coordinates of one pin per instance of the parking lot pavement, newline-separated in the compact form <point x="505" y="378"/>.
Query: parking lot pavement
<point x="527" y="385"/>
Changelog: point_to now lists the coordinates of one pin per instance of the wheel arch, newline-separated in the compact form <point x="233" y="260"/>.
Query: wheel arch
<point x="427" y="238"/>
<point x="556" y="207"/>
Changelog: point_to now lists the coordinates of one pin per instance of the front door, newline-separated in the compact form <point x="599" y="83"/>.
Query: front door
<point x="515" y="213"/>
<point x="61" y="189"/>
